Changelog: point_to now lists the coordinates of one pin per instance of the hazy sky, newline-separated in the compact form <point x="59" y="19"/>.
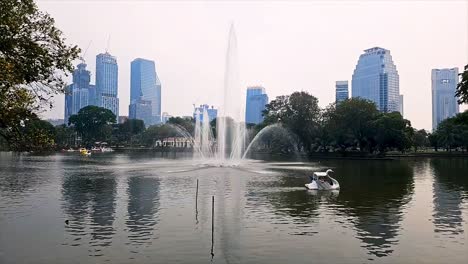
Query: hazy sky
<point x="284" y="46"/>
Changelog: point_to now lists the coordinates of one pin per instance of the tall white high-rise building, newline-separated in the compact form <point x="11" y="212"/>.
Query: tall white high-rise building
<point x="107" y="82"/>
<point x="444" y="102"/>
<point x="376" y="79"/>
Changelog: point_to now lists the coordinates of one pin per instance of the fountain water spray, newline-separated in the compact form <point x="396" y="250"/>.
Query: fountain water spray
<point x="230" y="125"/>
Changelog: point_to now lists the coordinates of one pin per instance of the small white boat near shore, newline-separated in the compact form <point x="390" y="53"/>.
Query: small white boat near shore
<point x="322" y="181"/>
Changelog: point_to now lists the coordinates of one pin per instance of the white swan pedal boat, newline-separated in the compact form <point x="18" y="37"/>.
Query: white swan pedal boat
<point x="322" y="181"/>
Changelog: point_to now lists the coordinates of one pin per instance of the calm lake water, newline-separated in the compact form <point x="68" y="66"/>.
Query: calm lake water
<point x="142" y="209"/>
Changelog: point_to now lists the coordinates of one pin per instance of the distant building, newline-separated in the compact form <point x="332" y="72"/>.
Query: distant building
<point x="80" y="93"/>
<point x="256" y="100"/>
<point x="145" y="85"/>
<point x="212" y="112"/>
<point x="444" y="102"/>
<point x="165" y="117"/>
<point x="376" y="79"/>
<point x="107" y="82"/>
<point x="56" y="122"/>
<point x="342" y="93"/>
<point x="401" y="105"/>
<point x="122" y="119"/>
<point x="141" y="109"/>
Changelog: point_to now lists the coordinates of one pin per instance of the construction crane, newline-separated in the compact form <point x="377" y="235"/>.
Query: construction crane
<point x="84" y="54"/>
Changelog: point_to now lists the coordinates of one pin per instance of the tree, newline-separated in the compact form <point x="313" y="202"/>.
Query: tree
<point x="434" y="140"/>
<point x="33" y="135"/>
<point x="157" y="132"/>
<point x="188" y="124"/>
<point x="33" y="61"/>
<point x="462" y="87"/>
<point x="298" y="112"/>
<point x="420" y="139"/>
<point x="93" y="123"/>
<point x="452" y="132"/>
<point x="392" y="132"/>
<point x="352" y="122"/>
<point x="64" y="136"/>
<point x="127" y="130"/>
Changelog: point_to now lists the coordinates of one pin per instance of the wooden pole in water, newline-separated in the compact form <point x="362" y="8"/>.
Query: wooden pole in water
<point x="212" y="226"/>
<point x="196" y="205"/>
<point x="196" y="197"/>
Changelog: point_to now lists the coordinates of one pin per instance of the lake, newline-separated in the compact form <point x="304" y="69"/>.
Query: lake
<point x="144" y="208"/>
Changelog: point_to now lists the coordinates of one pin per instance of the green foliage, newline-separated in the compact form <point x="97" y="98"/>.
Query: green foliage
<point x="157" y="132"/>
<point x="64" y="136"/>
<point x="33" y="135"/>
<point x="452" y="133"/>
<point x="351" y="122"/>
<point x="127" y="132"/>
<point x="351" y="125"/>
<point x="392" y="132"/>
<point x="462" y="87"/>
<point x="93" y="123"/>
<point x="33" y="54"/>
<point x="298" y="112"/>
<point x="186" y="123"/>
<point x="420" y="139"/>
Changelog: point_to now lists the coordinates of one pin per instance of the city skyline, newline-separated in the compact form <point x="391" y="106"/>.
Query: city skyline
<point x="268" y="33"/>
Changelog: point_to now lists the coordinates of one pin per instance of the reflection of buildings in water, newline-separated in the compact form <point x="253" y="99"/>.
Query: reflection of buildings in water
<point x="103" y="210"/>
<point x="449" y="181"/>
<point x="143" y="205"/>
<point x="91" y="198"/>
<point x="373" y="199"/>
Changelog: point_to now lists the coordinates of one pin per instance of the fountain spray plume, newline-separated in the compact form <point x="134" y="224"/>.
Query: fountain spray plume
<point x="230" y="124"/>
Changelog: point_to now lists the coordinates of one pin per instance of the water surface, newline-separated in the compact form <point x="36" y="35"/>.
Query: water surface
<point x="121" y="208"/>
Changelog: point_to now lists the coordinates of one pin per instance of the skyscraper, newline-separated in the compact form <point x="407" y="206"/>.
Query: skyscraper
<point x="341" y="91"/>
<point x="80" y="93"/>
<point x="256" y="100"/>
<point x="145" y="85"/>
<point x="444" y="102"/>
<point x="212" y="112"/>
<point x="107" y="82"/>
<point x="141" y="109"/>
<point x="376" y="79"/>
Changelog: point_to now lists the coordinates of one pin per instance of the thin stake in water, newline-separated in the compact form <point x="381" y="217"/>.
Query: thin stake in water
<point x="212" y="226"/>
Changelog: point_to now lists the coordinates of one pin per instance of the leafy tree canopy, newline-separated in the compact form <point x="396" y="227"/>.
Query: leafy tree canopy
<point x="93" y="123"/>
<point x="33" y="58"/>
<point x="298" y="112"/>
<point x="462" y="87"/>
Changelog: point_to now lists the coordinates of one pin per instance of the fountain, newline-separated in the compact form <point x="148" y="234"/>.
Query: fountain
<point x="229" y="145"/>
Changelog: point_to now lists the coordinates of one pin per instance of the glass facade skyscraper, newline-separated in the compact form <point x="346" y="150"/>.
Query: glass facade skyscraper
<point x="376" y="79"/>
<point x="145" y="85"/>
<point x="141" y="109"/>
<point x="342" y="92"/>
<point x="107" y="82"/>
<point x="256" y="100"/>
<point x="444" y="102"/>
<point x="212" y="112"/>
<point x="80" y="93"/>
